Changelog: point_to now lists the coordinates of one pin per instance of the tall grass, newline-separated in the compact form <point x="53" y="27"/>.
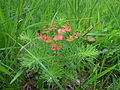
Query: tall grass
<point x="21" y="19"/>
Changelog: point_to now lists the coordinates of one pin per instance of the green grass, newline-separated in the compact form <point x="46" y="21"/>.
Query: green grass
<point x="81" y="65"/>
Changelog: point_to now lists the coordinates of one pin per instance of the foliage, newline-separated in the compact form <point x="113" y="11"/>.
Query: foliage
<point x="63" y="44"/>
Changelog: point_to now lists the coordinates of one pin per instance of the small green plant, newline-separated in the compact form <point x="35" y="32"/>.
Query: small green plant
<point x="58" y="48"/>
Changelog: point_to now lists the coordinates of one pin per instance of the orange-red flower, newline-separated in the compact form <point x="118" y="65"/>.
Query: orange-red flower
<point x="65" y="26"/>
<point x="45" y="38"/>
<point x="44" y="26"/>
<point x="52" y="23"/>
<point x="55" y="46"/>
<point x="68" y="29"/>
<point x="37" y="34"/>
<point x="53" y="28"/>
<point x="58" y="37"/>
<point x="40" y="36"/>
<point x="61" y="30"/>
<point x="46" y="31"/>
<point x="48" y="39"/>
<point x="70" y="38"/>
<point x="91" y="40"/>
<point x="76" y="34"/>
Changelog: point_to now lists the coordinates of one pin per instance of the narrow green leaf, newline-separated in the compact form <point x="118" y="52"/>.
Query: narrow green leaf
<point x="99" y="75"/>
<point x="3" y="69"/>
<point x="17" y="75"/>
<point x="7" y="48"/>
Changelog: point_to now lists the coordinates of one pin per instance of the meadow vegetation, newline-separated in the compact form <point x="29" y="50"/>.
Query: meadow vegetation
<point x="59" y="45"/>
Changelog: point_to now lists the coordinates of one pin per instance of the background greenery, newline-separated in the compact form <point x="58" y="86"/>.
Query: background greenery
<point x="24" y="64"/>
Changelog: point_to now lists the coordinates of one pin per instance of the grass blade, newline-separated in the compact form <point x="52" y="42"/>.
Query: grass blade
<point x="3" y="69"/>
<point x="99" y="75"/>
<point x="17" y="75"/>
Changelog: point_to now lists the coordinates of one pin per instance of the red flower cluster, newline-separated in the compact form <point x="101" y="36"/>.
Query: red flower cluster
<point x="60" y="31"/>
<point x="44" y="37"/>
<point x="55" y="46"/>
<point x="59" y="36"/>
